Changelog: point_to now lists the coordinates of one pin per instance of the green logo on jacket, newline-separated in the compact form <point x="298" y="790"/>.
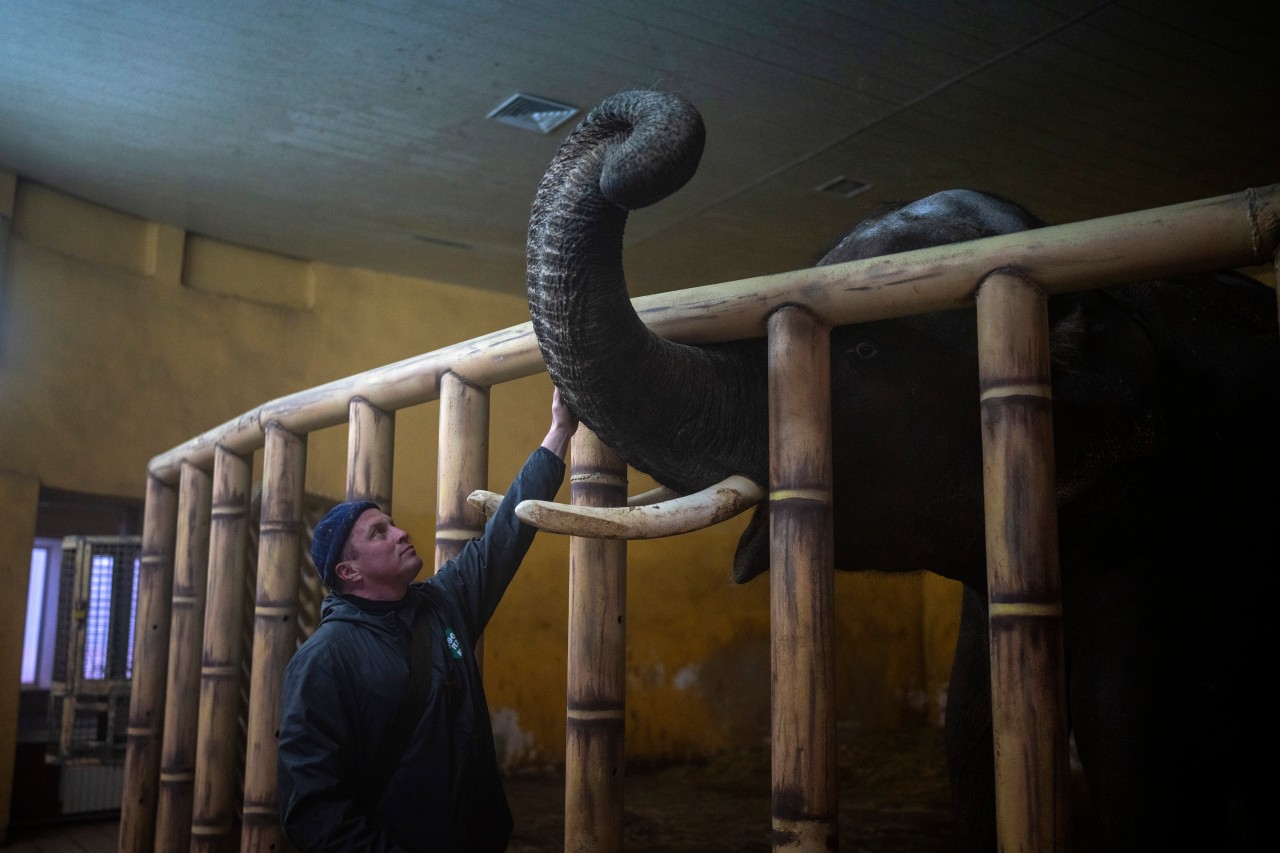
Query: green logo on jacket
<point x="455" y="648"/>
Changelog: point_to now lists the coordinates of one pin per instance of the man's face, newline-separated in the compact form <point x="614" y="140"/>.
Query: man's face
<point x="385" y="562"/>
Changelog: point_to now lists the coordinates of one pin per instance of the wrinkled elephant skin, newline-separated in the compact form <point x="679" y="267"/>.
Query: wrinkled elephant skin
<point x="1165" y="409"/>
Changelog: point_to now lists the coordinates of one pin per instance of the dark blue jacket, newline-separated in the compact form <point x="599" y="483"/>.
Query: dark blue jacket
<point x="346" y="684"/>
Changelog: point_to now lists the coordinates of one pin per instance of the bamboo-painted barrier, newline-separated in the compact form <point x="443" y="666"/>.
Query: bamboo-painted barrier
<point x="1237" y="230"/>
<point x="1024" y="589"/>
<point x="371" y="440"/>
<point x="595" y="703"/>
<point x="462" y="464"/>
<point x="150" y="648"/>
<point x="215" y="812"/>
<point x="284" y="465"/>
<point x="186" y="637"/>
<point x="801" y="584"/>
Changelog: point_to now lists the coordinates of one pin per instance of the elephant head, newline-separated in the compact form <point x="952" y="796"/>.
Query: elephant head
<point x="690" y="416"/>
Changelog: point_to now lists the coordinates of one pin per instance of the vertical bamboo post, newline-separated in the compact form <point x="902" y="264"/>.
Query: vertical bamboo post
<point x="274" y="632"/>
<point x="1028" y="685"/>
<point x="214" y="814"/>
<point x="190" y="571"/>
<point x="150" y="659"/>
<point x="371" y="440"/>
<point x="462" y="466"/>
<point x="801" y="583"/>
<point x="596" y="700"/>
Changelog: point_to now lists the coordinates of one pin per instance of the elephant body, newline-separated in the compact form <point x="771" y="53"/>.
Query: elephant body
<point x="1166" y="396"/>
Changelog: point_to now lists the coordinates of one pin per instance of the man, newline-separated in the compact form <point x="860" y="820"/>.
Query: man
<point x="385" y="742"/>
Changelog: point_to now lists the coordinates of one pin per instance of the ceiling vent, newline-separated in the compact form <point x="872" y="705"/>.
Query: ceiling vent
<point x="843" y="186"/>
<point x="533" y="113"/>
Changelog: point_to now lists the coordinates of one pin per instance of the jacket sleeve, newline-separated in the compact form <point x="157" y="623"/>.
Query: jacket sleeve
<point x="480" y="574"/>
<point x="318" y="810"/>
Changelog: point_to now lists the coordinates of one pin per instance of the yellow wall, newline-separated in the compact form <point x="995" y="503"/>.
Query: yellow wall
<point x="123" y="338"/>
<point x="18" y="494"/>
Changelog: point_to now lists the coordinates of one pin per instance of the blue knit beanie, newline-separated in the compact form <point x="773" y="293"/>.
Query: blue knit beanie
<point x="331" y="537"/>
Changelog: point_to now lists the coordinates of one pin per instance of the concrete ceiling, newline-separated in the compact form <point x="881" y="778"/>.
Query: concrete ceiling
<point x="355" y="131"/>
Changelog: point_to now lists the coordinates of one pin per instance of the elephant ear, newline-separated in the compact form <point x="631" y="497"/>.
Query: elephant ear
<point x="1107" y="408"/>
<point x="752" y="556"/>
<point x="1106" y="390"/>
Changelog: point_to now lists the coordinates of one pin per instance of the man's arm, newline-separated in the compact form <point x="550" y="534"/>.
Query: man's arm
<point x="563" y="425"/>
<point x="481" y="572"/>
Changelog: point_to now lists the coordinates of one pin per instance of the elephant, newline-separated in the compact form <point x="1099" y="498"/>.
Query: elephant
<point x="1165" y="399"/>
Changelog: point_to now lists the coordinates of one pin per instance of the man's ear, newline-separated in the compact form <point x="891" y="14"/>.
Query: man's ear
<point x="347" y="570"/>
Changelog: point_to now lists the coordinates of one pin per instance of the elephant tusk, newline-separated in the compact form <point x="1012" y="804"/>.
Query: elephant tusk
<point x="486" y="502"/>
<point x="651" y="515"/>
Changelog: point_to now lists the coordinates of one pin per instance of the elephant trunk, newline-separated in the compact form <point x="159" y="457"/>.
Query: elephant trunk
<point x="672" y="411"/>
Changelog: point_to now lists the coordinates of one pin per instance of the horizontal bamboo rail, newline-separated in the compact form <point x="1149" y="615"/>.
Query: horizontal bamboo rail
<point x="1236" y="230"/>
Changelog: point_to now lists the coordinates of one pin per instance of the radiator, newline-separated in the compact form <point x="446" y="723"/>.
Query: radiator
<point x="90" y="788"/>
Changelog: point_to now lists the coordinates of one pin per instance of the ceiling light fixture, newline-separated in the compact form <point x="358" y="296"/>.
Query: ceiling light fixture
<point x="532" y="112"/>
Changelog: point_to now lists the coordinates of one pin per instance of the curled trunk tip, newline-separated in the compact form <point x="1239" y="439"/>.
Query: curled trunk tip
<point x="660" y="151"/>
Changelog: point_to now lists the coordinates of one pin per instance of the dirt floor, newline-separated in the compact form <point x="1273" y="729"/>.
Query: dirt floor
<point x="892" y="788"/>
<point x="893" y="799"/>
